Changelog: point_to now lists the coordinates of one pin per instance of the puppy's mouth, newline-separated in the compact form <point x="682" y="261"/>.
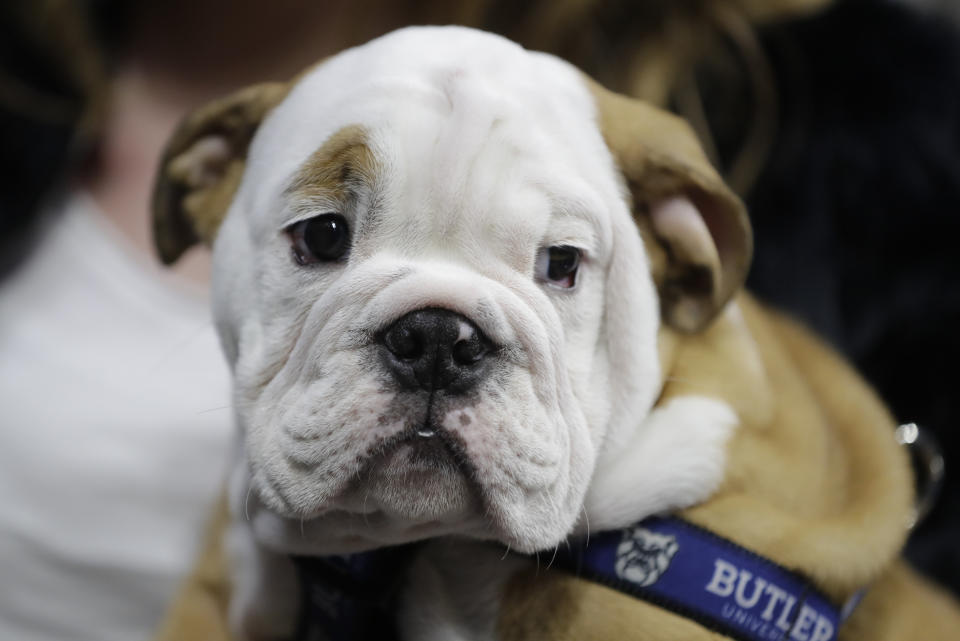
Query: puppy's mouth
<point x="428" y="451"/>
<point x="419" y="475"/>
<point x="425" y="450"/>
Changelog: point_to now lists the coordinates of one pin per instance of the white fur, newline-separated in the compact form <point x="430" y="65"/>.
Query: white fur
<point x="675" y="459"/>
<point x="487" y="153"/>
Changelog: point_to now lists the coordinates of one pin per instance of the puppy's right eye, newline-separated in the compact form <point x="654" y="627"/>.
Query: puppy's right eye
<point x="323" y="238"/>
<point x="557" y="266"/>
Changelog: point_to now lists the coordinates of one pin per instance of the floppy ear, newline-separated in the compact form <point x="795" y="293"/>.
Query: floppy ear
<point x="202" y="165"/>
<point x="696" y="230"/>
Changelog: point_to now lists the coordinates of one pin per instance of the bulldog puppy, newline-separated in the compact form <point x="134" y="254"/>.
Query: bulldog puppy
<point x="445" y="273"/>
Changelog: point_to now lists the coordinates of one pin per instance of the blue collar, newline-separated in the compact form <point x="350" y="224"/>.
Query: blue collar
<point x="701" y="576"/>
<point x="666" y="561"/>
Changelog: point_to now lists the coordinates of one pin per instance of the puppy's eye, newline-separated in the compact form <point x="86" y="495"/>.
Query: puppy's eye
<point x="557" y="265"/>
<point x="323" y="238"/>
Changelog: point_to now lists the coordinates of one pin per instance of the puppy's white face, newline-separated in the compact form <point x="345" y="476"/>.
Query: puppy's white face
<point x="409" y="362"/>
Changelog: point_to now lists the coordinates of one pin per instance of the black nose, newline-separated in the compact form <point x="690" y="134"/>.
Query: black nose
<point x="436" y="349"/>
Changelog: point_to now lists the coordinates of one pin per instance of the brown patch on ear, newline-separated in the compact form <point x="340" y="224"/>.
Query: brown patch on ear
<point x="661" y="158"/>
<point x="202" y="166"/>
<point x="332" y="171"/>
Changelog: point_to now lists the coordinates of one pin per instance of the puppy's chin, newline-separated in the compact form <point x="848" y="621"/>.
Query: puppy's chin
<point x="417" y="488"/>
<point x="418" y="481"/>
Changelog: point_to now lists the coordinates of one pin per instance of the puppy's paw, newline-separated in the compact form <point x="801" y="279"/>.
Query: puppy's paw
<point x="675" y="459"/>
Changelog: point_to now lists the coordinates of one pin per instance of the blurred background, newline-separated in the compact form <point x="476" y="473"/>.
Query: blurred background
<point x="837" y="122"/>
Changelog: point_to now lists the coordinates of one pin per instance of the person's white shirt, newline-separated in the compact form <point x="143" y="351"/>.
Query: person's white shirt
<point x="114" y="434"/>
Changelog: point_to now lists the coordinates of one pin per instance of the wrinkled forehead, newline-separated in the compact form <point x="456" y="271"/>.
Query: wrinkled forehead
<point x="453" y="101"/>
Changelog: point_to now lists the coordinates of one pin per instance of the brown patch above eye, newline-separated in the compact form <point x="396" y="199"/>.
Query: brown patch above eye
<point x="341" y="163"/>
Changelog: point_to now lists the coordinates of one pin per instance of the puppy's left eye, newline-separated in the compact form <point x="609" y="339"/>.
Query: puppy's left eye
<point x="322" y="238"/>
<point x="557" y="265"/>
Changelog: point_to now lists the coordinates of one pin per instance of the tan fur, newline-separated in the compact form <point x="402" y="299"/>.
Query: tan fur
<point x="343" y="160"/>
<point x="194" y="187"/>
<point x="903" y="605"/>
<point x="660" y="157"/>
<point x="817" y="484"/>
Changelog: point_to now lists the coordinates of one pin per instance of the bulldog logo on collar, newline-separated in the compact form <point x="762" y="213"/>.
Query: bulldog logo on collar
<point x="643" y="556"/>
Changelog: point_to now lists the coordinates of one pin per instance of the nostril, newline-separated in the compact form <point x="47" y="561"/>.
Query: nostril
<point x="404" y="343"/>
<point x="435" y="349"/>
<point x="469" y="351"/>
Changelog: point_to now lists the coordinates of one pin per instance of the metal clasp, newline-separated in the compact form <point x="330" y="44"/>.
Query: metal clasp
<point x="928" y="465"/>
